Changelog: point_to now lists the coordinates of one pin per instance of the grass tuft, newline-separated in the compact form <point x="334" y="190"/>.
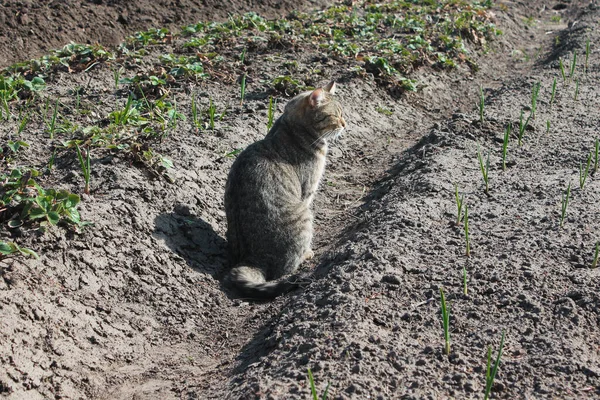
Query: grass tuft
<point x="490" y="373"/>
<point x="485" y="169"/>
<point x="445" y="321"/>
<point x="85" y="167"/>
<point x="313" y="389"/>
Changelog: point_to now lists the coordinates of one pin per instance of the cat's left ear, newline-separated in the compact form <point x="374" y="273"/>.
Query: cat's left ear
<point x="330" y="87"/>
<point x="316" y="97"/>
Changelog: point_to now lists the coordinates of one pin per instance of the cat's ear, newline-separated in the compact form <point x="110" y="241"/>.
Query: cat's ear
<point x="316" y="97"/>
<point x="330" y="87"/>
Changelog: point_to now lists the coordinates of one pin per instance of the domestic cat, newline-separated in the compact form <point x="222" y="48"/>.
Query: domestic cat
<point x="269" y="193"/>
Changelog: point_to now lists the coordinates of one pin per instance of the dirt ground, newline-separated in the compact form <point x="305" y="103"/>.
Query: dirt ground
<point x="132" y="307"/>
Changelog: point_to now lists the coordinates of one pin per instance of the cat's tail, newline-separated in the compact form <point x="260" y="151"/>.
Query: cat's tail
<point x="251" y="282"/>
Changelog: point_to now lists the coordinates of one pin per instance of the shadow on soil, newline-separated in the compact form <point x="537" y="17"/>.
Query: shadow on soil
<point x="194" y="240"/>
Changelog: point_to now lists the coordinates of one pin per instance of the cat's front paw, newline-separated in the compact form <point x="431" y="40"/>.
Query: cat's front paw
<point x="308" y="255"/>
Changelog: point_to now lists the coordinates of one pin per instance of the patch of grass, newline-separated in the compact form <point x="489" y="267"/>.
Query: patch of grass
<point x="485" y="169"/>
<point x="584" y="172"/>
<point x="445" y="321"/>
<point x="596" y="253"/>
<point x="505" y="145"/>
<point x="313" y="389"/>
<point x="491" y="372"/>
<point x="564" y="204"/>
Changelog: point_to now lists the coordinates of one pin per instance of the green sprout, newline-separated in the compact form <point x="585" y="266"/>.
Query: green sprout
<point x="52" y="123"/>
<point x="85" y="167"/>
<point x="243" y="56"/>
<point x="484" y="168"/>
<point x="212" y="109"/>
<point x="522" y="127"/>
<point x="565" y="203"/>
<point x="583" y="172"/>
<point x="596" y="149"/>
<point x="242" y="89"/>
<point x="595" y="262"/>
<point x="467" y="239"/>
<point x="547" y="127"/>
<point x="505" y="145"/>
<point x="22" y="124"/>
<point x="271" y="112"/>
<point x="445" y="321"/>
<point x="490" y="373"/>
<point x="313" y="389"/>
<point x="481" y="103"/>
<point x="534" y="96"/>
<point x="195" y="114"/>
<point x="459" y="203"/>
<point x="465" y="289"/>
<point x="553" y="91"/>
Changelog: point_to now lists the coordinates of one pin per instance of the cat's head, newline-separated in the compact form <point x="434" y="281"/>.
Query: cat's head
<point x="318" y="111"/>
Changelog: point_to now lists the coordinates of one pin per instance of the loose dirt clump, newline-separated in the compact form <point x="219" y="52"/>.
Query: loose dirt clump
<point x="125" y="300"/>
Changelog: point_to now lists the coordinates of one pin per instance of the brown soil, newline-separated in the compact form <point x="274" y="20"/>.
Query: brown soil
<point x="32" y="28"/>
<point x="132" y="307"/>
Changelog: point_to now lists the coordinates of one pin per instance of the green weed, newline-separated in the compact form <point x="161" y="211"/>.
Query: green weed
<point x="583" y="172"/>
<point x="52" y="123"/>
<point x="564" y="204"/>
<point x="491" y="372"/>
<point x="445" y="321"/>
<point x="85" y="167"/>
<point x="485" y="168"/>
<point x="553" y="91"/>
<point x="313" y="389"/>
<point x="505" y="145"/>
<point x="459" y="203"/>
<point x="467" y="237"/>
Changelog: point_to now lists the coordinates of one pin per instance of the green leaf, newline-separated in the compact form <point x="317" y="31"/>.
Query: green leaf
<point x="53" y="217"/>
<point x="6" y="248"/>
<point x="37" y="213"/>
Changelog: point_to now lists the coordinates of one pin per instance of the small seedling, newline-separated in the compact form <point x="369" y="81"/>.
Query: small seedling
<point x="596" y="150"/>
<point x="22" y="124"/>
<point x="481" y="104"/>
<point x="467" y="240"/>
<point x="242" y="89"/>
<point x="85" y="167"/>
<point x="553" y="91"/>
<point x="595" y="262"/>
<point x="465" y="289"/>
<point x="562" y="70"/>
<point x="484" y="169"/>
<point x="459" y="203"/>
<point x="576" y="89"/>
<point x="313" y="389"/>
<point x="212" y="109"/>
<point x="505" y="145"/>
<point x="583" y="172"/>
<point x="565" y="203"/>
<point x="243" y="56"/>
<point x="547" y="127"/>
<point x="587" y="53"/>
<point x="534" y="96"/>
<point x="10" y="248"/>
<point x="52" y="159"/>
<point x="117" y="76"/>
<point x="490" y="373"/>
<point x="271" y="112"/>
<point x="195" y="114"/>
<point x="445" y="322"/>
<point x="522" y="127"/>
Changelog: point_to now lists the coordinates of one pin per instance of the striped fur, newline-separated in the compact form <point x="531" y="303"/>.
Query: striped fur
<point x="269" y="194"/>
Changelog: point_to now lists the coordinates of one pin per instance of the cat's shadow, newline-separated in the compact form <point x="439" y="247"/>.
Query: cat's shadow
<point x="194" y="240"/>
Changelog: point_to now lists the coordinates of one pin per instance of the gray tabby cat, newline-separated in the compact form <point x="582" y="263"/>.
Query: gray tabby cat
<point x="269" y="193"/>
